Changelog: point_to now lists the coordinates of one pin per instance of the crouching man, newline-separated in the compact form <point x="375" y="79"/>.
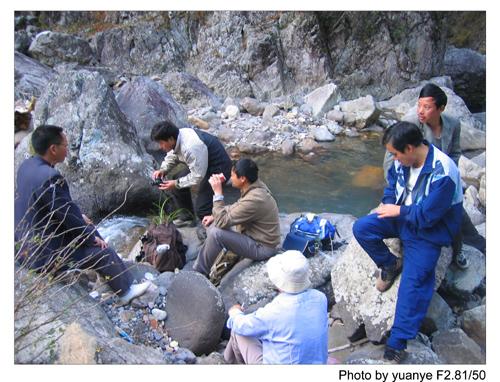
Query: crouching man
<point x="422" y="205"/>
<point x="291" y="329"/>
<point x="254" y="215"/>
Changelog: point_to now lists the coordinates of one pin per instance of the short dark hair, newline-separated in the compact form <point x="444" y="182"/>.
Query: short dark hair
<point x="434" y="91"/>
<point x="44" y="136"/>
<point x="402" y="134"/>
<point x="247" y="168"/>
<point x="164" y="131"/>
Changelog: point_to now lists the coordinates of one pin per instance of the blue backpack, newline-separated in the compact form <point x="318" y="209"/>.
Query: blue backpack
<point x="309" y="234"/>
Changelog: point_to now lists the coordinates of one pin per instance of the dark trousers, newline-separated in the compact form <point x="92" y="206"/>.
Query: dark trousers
<point x="418" y="276"/>
<point x="106" y="262"/>
<point x="468" y="234"/>
<point x="241" y="245"/>
<point x="204" y="201"/>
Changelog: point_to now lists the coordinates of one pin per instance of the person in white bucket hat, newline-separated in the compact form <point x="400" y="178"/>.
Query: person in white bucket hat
<point x="291" y="329"/>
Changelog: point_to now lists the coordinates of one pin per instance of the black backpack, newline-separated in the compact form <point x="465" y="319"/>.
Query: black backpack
<point x="167" y="238"/>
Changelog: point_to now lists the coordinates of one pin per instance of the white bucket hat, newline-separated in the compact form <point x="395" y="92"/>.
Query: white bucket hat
<point x="289" y="271"/>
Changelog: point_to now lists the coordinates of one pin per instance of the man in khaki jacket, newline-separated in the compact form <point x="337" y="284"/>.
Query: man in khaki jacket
<point x="254" y="215"/>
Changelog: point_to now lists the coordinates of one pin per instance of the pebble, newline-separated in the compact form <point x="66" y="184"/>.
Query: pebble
<point x="159" y="314"/>
<point x="94" y="294"/>
<point x="162" y="290"/>
<point x="157" y="336"/>
<point x="126" y="315"/>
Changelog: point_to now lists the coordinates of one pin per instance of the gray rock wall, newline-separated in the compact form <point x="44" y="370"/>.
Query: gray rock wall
<point x="105" y="160"/>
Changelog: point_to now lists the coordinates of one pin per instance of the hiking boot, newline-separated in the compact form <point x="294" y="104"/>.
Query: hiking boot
<point x="388" y="275"/>
<point x="394" y="356"/>
<point x="134" y="291"/>
<point x="461" y="261"/>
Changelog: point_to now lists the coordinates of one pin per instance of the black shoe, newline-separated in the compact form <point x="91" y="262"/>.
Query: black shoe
<point x="394" y="356"/>
<point x="388" y="275"/>
<point x="461" y="261"/>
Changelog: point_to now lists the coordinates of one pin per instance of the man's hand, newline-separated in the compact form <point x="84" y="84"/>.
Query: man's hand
<point x="167" y="185"/>
<point x="100" y="243"/>
<point x="87" y="220"/>
<point x="216" y="183"/>
<point x="157" y="174"/>
<point x="388" y="211"/>
<point x="207" y="220"/>
<point x="234" y="309"/>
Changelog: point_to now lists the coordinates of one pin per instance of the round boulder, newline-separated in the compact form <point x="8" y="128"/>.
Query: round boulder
<point x="196" y="313"/>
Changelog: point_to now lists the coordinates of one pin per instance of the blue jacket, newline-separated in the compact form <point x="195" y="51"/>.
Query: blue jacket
<point x="45" y="213"/>
<point x="435" y="214"/>
<point x="293" y="328"/>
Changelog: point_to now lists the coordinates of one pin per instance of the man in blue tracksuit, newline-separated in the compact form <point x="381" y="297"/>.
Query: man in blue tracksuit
<point x="422" y="205"/>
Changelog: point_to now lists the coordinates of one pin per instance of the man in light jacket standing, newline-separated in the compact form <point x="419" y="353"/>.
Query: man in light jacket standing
<point x="291" y="329"/>
<point x="254" y="215"/>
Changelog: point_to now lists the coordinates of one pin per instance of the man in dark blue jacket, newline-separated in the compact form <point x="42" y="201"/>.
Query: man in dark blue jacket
<point x="51" y="233"/>
<point x="422" y="205"/>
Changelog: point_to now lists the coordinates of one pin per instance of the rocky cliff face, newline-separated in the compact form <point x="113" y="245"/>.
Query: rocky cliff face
<point x="268" y="54"/>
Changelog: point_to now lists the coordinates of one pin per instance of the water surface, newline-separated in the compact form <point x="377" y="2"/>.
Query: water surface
<point x="347" y="178"/>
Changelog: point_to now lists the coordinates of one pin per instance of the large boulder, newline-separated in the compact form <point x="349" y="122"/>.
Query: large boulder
<point x="474" y="324"/>
<point x="189" y="91"/>
<point x="453" y="346"/>
<point x="463" y="283"/>
<point x="145" y="102"/>
<point x="30" y="77"/>
<point x="252" y="106"/>
<point x="144" y="47"/>
<point x="22" y="41"/>
<point x="52" y="48"/>
<point x="361" y="112"/>
<point x="60" y="323"/>
<point x="323" y="99"/>
<point x="196" y="314"/>
<point x="439" y="316"/>
<point x="358" y="301"/>
<point x="252" y="287"/>
<point x="467" y="69"/>
<point x="418" y="354"/>
<point x="470" y="172"/>
<point x="106" y="167"/>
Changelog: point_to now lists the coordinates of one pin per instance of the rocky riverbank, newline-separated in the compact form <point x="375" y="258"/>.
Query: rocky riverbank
<point x="242" y="77"/>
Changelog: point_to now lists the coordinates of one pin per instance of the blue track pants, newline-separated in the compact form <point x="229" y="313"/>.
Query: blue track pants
<point x="418" y="275"/>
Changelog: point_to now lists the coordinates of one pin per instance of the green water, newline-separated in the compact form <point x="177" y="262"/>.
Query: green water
<point x="345" y="178"/>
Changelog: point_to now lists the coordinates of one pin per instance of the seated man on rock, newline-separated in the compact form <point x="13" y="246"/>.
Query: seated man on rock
<point x="51" y="233"/>
<point x="254" y="215"/>
<point x="422" y="205"/>
<point x="291" y="329"/>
